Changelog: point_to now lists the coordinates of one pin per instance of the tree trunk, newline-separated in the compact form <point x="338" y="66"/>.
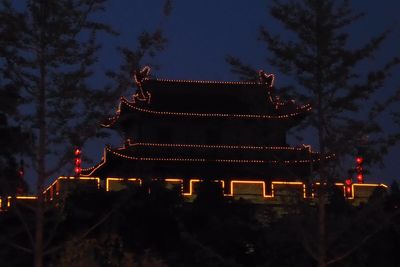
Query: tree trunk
<point x="38" y="250"/>
<point x="322" y="245"/>
<point x="321" y="194"/>
<point x="321" y="228"/>
<point x="41" y="156"/>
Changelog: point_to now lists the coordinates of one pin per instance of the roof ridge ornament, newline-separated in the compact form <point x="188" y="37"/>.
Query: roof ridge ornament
<point x="268" y="79"/>
<point x="139" y="76"/>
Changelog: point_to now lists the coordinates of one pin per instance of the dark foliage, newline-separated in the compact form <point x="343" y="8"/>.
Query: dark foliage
<point x="329" y="73"/>
<point x="133" y="225"/>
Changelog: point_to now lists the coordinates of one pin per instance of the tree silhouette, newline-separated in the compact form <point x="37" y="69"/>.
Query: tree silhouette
<point x="326" y="70"/>
<point x="48" y="50"/>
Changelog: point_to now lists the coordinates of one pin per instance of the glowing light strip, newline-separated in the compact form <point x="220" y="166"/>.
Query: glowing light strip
<point x="55" y="182"/>
<point x="223" y="146"/>
<point x="145" y="71"/>
<point x="249" y="182"/>
<point x="191" y="187"/>
<point x="51" y="193"/>
<point x="114" y="118"/>
<point x="339" y="184"/>
<point x="50" y="186"/>
<point x="104" y="160"/>
<point x="353" y="187"/>
<point x="88" y="169"/>
<point x="262" y="75"/>
<point x="215" y="160"/>
<point x="168" y="180"/>
<point x="174" y="180"/>
<point x="288" y="183"/>
<point x="57" y="189"/>
<point x="336" y="184"/>
<point x="364" y="185"/>
<point x="343" y="187"/>
<point x="143" y="76"/>
<point x="90" y="178"/>
<point x="265" y="195"/>
<point x="223" y="115"/>
<point x="9" y="198"/>
<point x="26" y="197"/>
<point x="110" y="179"/>
<point x="192" y="181"/>
<point x="203" y="81"/>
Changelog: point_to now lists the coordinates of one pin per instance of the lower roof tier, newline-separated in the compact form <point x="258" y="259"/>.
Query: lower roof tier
<point x="213" y="161"/>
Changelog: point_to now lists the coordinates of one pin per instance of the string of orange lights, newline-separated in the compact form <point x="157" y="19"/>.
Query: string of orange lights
<point x="142" y="76"/>
<point x="92" y="169"/>
<point x="239" y="147"/>
<point x="216" y="160"/>
<point x="300" y="111"/>
<point x="265" y="80"/>
<point x="234" y="186"/>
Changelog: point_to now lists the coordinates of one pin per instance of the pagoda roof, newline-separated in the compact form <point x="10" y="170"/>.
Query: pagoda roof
<point x="218" y="153"/>
<point x="213" y="97"/>
<point x="184" y="156"/>
<point x="208" y="99"/>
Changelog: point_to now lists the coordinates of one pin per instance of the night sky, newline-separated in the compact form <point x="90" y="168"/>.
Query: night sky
<point x="202" y="33"/>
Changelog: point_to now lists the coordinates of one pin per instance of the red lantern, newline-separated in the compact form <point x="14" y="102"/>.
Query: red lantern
<point x="348" y="188"/>
<point x="77" y="170"/>
<point x="359" y="169"/>
<point x="21" y="173"/>
<point x="77" y="152"/>
<point x="78" y="161"/>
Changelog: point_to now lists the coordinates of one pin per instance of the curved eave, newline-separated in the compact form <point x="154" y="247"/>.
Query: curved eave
<point x="146" y="81"/>
<point x="110" y="155"/>
<point x="315" y="158"/>
<point x="110" y="122"/>
<point x="89" y="172"/>
<point x="127" y="106"/>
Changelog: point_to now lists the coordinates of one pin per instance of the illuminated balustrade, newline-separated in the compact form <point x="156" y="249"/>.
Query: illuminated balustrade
<point x="65" y="183"/>
<point x="116" y="184"/>
<point x="253" y="190"/>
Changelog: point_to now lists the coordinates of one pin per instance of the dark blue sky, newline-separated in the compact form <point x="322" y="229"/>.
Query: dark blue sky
<point x="202" y="33"/>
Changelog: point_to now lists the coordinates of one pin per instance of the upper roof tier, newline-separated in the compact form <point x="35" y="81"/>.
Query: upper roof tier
<point x="252" y="100"/>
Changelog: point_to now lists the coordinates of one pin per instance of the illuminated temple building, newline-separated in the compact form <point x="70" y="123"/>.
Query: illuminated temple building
<point x="220" y="131"/>
<point x="183" y="132"/>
